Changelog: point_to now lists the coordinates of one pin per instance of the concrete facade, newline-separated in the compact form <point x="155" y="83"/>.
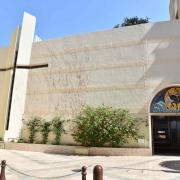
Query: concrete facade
<point x="122" y="68"/>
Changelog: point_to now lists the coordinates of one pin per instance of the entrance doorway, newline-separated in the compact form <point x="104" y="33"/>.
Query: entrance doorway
<point x="166" y="134"/>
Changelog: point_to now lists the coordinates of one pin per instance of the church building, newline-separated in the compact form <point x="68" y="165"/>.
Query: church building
<point x="135" y="68"/>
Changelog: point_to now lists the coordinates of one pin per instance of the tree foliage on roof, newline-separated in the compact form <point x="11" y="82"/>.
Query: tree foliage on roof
<point x="132" y="21"/>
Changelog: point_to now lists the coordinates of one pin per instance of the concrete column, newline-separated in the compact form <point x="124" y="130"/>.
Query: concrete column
<point x="21" y="77"/>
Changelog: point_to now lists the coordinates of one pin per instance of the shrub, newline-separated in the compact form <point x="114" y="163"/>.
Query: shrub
<point x="132" y="21"/>
<point x="33" y="127"/>
<point x="45" y="130"/>
<point x="57" y="128"/>
<point x="104" y="125"/>
<point x="20" y="140"/>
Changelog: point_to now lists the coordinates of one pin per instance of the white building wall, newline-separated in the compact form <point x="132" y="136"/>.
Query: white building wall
<point x="121" y="67"/>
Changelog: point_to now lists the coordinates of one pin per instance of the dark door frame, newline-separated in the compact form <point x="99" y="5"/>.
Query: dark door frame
<point x="169" y="128"/>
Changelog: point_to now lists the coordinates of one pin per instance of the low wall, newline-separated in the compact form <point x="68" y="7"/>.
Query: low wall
<point x="79" y="150"/>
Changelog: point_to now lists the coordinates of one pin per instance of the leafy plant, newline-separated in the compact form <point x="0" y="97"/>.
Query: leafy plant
<point x="104" y="125"/>
<point x="132" y="21"/>
<point x="20" y="140"/>
<point x="45" y="130"/>
<point x="57" y="128"/>
<point x="33" y="127"/>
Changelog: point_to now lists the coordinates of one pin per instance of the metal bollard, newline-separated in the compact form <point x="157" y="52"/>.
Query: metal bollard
<point x="98" y="173"/>
<point x="2" y="175"/>
<point x="83" y="172"/>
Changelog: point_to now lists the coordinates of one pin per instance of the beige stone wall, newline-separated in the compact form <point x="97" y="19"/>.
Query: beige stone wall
<point x="121" y="67"/>
<point x="3" y="57"/>
<point x="7" y="56"/>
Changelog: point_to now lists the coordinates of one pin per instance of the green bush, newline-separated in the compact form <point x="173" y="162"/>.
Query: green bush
<point x="45" y="130"/>
<point x="33" y="126"/>
<point x="104" y="125"/>
<point x="57" y="128"/>
<point x="132" y="21"/>
<point x="20" y="140"/>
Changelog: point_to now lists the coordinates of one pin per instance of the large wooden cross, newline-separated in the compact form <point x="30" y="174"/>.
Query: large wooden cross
<point x="13" y="68"/>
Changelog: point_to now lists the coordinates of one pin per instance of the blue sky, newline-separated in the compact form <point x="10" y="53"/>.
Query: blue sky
<point x="59" y="18"/>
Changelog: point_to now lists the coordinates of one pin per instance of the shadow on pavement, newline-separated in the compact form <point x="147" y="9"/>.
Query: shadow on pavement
<point x="175" y="165"/>
<point x="142" y="169"/>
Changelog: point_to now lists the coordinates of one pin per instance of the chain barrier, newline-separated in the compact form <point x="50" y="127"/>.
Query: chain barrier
<point x="97" y="172"/>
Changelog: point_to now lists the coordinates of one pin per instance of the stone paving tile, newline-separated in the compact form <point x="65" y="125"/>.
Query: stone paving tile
<point x="36" y="166"/>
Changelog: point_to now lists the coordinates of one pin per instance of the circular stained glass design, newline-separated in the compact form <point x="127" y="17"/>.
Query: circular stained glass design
<point x="167" y="101"/>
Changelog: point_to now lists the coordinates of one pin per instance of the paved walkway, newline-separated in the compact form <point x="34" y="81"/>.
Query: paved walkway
<point x="36" y="166"/>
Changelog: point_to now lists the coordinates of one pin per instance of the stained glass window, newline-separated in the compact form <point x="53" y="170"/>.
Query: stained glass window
<point x="167" y="101"/>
